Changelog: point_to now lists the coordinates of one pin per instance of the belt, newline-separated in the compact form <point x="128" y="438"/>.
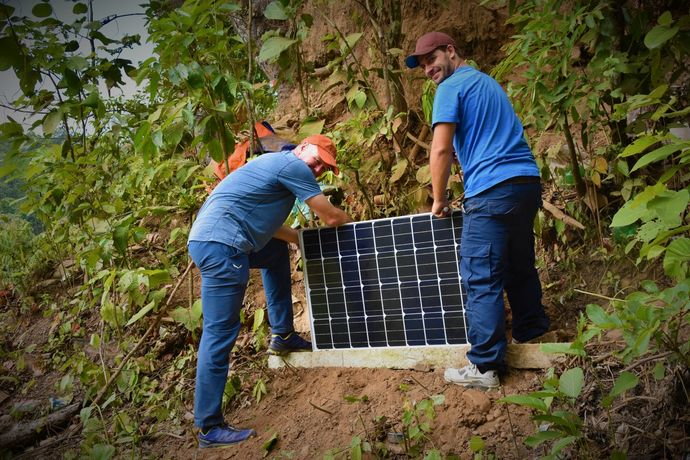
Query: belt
<point x="522" y="180"/>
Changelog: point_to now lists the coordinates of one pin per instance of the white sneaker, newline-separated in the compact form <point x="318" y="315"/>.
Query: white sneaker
<point x="469" y="376"/>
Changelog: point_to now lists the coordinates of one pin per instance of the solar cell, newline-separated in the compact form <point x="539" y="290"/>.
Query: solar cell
<point x="385" y="283"/>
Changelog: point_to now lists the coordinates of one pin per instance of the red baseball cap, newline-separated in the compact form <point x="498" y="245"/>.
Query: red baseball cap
<point x="426" y="44"/>
<point x="325" y="148"/>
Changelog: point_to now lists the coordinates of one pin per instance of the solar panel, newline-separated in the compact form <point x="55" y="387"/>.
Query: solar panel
<point x="390" y="282"/>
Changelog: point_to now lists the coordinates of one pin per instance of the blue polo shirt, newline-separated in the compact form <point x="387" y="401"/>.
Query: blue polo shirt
<point x="489" y="139"/>
<point x="247" y="208"/>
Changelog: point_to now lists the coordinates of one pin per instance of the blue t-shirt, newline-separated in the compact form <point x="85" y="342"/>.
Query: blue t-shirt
<point x="489" y="140"/>
<point x="247" y="208"/>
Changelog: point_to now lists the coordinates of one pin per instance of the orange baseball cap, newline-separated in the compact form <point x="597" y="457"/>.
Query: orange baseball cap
<point x="326" y="149"/>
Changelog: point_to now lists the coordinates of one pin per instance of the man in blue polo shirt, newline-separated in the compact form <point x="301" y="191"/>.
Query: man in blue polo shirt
<point x="473" y="117"/>
<point x="240" y="226"/>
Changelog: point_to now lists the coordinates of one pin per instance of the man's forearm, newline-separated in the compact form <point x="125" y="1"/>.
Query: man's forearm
<point x="440" y="160"/>
<point x="287" y="234"/>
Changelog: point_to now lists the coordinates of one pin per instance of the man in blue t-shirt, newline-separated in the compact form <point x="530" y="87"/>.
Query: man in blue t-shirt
<point x="473" y="117"/>
<point x="240" y="226"/>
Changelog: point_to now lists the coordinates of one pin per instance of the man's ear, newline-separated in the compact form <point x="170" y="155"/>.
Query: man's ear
<point x="451" y="49"/>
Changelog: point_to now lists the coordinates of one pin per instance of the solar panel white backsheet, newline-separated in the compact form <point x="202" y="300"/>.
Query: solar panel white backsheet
<point x="385" y="283"/>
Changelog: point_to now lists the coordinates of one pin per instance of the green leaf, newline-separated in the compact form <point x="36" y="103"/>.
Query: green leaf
<point x="80" y="8"/>
<point x="352" y="40"/>
<point x="659" y="35"/>
<point x="665" y="19"/>
<point x="656" y="155"/>
<point x="677" y="258"/>
<point x="398" y="170"/>
<point x="670" y="206"/>
<point x="9" y="53"/>
<point x="51" y="121"/>
<point x="101" y="452"/>
<point x="433" y="454"/>
<point x="659" y="371"/>
<point x="624" y="382"/>
<point x="640" y="144"/>
<point x="524" y="400"/>
<point x="275" y="11"/>
<point x="571" y="382"/>
<point x="356" y="448"/>
<point x="121" y="237"/>
<point x="476" y="444"/>
<point x="637" y="207"/>
<point x="42" y="10"/>
<point x="562" y="443"/>
<point x="565" y="348"/>
<point x="141" y="313"/>
<point x="270" y="444"/>
<point x="542" y="436"/>
<point x="274" y="47"/>
<point x="423" y="175"/>
<point x="360" y="99"/>
<point x="310" y="128"/>
<point x="259" y="315"/>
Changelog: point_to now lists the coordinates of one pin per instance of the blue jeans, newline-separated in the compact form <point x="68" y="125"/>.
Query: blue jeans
<point x="497" y="250"/>
<point x="224" y="277"/>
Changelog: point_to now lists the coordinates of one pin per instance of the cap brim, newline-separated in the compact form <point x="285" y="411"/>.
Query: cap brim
<point x="411" y="61"/>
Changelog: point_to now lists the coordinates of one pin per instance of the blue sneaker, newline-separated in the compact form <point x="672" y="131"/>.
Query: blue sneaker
<point x="223" y="435"/>
<point x="288" y="344"/>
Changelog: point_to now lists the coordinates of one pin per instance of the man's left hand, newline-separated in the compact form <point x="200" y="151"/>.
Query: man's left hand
<point x="440" y="208"/>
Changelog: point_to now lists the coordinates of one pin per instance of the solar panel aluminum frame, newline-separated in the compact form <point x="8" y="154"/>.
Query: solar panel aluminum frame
<point x="362" y="292"/>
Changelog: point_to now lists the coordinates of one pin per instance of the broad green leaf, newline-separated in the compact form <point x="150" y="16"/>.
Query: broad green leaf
<point x="310" y="128"/>
<point x="656" y="155"/>
<point x="259" y="315"/>
<point x="42" y="10"/>
<point x="659" y="35"/>
<point x="101" y="452"/>
<point x="77" y="63"/>
<point x="542" y="436"/>
<point x="356" y="448"/>
<point x="121" y="237"/>
<point x="562" y="443"/>
<point x="352" y="40"/>
<point x="599" y="317"/>
<point x="91" y="100"/>
<point x="270" y="443"/>
<point x="51" y="121"/>
<point x="624" y="382"/>
<point x="360" y="99"/>
<point x="9" y="53"/>
<point x="476" y="444"/>
<point x="433" y="454"/>
<point x="637" y="207"/>
<point x="423" y="175"/>
<point x="275" y="11"/>
<point x="670" y="206"/>
<point x="677" y="258"/>
<point x="659" y="371"/>
<point x="141" y="313"/>
<point x="398" y="170"/>
<point x="274" y="47"/>
<point x="565" y="348"/>
<point x="571" y="382"/>
<point x="665" y="19"/>
<point x="524" y="400"/>
<point x="80" y="8"/>
<point x="640" y="144"/>
<point x="437" y="400"/>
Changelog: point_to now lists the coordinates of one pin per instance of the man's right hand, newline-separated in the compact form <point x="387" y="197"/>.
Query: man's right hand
<point x="329" y="214"/>
<point x="440" y="208"/>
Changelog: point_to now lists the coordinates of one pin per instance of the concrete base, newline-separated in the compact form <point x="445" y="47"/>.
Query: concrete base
<point x="523" y="356"/>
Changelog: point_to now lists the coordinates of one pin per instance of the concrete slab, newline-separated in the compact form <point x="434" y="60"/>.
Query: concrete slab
<point x="523" y="356"/>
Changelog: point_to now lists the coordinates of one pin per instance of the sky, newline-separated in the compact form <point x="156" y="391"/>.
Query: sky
<point x="62" y="10"/>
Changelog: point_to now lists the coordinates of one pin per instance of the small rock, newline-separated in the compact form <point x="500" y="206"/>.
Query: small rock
<point x="478" y="400"/>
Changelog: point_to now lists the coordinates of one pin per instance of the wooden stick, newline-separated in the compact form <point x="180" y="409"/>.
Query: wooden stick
<point x="560" y="215"/>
